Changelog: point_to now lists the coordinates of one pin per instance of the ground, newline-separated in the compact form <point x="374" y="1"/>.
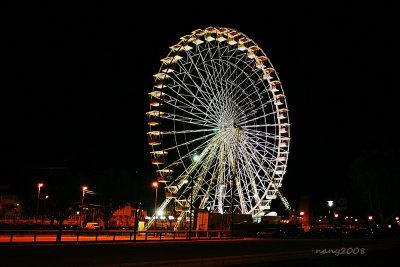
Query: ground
<point x="244" y="252"/>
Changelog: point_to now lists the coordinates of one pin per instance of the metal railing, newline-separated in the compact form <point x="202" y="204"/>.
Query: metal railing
<point x="50" y="236"/>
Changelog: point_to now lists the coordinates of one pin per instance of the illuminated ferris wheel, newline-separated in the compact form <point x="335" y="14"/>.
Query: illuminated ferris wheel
<point x="219" y="125"/>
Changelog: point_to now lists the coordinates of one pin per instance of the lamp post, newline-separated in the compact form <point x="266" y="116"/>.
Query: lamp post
<point x="330" y="205"/>
<point x="40" y="185"/>
<point x="44" y="206"/>
<point x="301" y="218"/>
<point x="84" y="189"/>
<point x="155" y="185"/>
<point x="195" y="158"/>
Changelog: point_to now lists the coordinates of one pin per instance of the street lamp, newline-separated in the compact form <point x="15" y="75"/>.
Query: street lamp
<point x="84" y="189"/>
<point x="155" y="185"/>
<point x="40" y="185"/>
<point x="330" y="205"/>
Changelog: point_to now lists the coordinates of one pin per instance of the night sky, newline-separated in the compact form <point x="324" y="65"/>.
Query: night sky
<point x="76" y="80"/>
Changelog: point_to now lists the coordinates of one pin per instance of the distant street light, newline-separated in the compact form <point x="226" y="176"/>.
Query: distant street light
<point x="155" y="185"/>
<point x="40" y="185"/>
<point x="336" y="215"/>
<point x="84" y="189"/>
<point x="301" y="213"/>
<point x="370" y="218"/>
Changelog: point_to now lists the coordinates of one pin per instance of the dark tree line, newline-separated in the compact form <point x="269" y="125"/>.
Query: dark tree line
<point x="376" y="174"/>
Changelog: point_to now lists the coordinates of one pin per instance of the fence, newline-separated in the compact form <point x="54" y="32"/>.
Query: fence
<point x="50" y="236"/>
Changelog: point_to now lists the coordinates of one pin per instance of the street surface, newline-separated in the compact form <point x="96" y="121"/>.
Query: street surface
<point x="239" y="252"/>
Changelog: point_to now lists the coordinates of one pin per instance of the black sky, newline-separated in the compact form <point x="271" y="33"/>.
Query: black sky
<point x="76" y="80"/>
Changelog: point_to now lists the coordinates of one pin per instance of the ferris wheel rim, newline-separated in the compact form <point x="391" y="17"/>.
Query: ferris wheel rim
<point x="251" y="130"/>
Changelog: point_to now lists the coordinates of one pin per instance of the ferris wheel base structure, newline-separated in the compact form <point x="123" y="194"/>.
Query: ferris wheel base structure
<point x="219" y="127"/>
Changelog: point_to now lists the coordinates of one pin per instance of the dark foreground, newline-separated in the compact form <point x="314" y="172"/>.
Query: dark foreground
<point x="244" y="252"/>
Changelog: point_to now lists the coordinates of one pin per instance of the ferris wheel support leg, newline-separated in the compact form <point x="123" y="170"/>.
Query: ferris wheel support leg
<point x="284" y="200"/>
<point x="151" y="221"/>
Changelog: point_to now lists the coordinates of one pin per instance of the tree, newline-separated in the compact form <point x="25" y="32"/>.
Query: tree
<point x="376" y="174"/>
<point x="116" y="188"/>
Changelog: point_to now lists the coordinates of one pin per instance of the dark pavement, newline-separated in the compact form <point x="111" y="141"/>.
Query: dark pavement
<point x="245" y="252"/>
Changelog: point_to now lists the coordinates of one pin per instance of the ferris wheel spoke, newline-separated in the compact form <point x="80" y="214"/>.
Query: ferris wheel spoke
<point x="244" y="187"/>
<point x="207" y="72"/>
<point x="214" y="173"/>
<point x="258" y="159"/>
<point x="257" y="118"/>
<point x="256" y="170"/>
<point x="188" y="107"/>
<point x="182" y="85"/>
<point x="261" y="107"/>
<point x="203" y="146"/>
<point x="247" y="182"/>
<point x="203" y="130"/>
<point x="204" y="92"/>
<point x="261" y="134"/>
<point x="274" y="125"/>
<point x="191" y="76"/>
<point x="267" y="150"/>
<point x="182" y="100"/>
<point x="252" y="94"/>
<point x="175" y="117"/>
<point x="199" y="169"/>
<point x="190" y="142"/>
<point x="251" y="176"/>
<point x="233" y="158"/>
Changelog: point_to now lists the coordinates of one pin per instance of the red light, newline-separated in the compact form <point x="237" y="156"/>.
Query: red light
<point x="301" y="213"/>
<point x="40" y="184"/>
<point x="370" y="218"/>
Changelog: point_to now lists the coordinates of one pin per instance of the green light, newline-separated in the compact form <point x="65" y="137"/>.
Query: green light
<point x="196" y="157"/>
<point x="215" y="130"/>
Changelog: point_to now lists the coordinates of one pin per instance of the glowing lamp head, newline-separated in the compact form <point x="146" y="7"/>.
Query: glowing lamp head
<point x="154" y="184"/>
<point x="40" y="185"/>
<point x="196" y="157"/>
<point x="330" y="203"/>
<point x="46" y="197"/>
<point x="370" y="218"/>
<point x="84" y="188"/>
<point x="336" y="215"/>
<point x="301" y="213"/>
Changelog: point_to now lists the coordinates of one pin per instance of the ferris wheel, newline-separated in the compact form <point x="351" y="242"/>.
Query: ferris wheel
<point x="219" y="125"/>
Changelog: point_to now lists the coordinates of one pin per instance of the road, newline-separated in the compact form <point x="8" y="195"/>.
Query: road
<point x="243" y="252"/>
